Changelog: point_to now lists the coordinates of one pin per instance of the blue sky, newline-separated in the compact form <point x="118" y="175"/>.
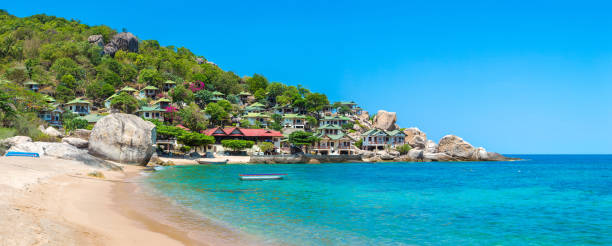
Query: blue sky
<point x="520" y="77"/>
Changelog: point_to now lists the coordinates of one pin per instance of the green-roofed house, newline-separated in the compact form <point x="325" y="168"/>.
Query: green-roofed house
<point x="91" y="118"/>
<point x="379" y="139"/>
<point x="31" y="85"/>
<point x="255" y="108"/>
<point x="333" y="141"/>
<point x="257" y="118"/>
<point x="78" y="106"/>
<point x="153" y="113"/>
<point x="338" y="120"/>
<point x="217" y="96"/>
<point x="149" y="91"/>
<point x="244" y="97"/>
<point x="294" y="121"/>
<point x="354" y="110"/>
<point x="52" y="115"/>
<point x="162" y="103"/>
<point x="107" y="101"/>
<point x="128" y="90"/>
<point x="169" y="84"/>
<point x="284" y="109"/>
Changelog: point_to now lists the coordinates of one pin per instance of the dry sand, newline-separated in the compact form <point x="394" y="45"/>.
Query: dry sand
<point x="48" y="201"/>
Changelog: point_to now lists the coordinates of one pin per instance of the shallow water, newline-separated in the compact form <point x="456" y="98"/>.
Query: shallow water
<point x="544" y="200"/>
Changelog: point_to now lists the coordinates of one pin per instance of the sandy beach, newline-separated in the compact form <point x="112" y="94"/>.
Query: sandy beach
<point x="48" y="201"/>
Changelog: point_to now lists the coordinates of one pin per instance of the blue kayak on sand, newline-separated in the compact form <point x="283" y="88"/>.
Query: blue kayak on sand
<point x="26" y="154"/>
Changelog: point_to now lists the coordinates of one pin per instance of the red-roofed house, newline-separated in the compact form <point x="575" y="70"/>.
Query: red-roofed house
<point x="257" y="135"/>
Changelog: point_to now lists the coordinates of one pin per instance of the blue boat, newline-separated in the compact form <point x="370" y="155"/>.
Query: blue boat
<point x="26" y="154"/>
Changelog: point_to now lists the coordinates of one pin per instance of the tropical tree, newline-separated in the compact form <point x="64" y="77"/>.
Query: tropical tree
<point x="217" y="114"/>
<point x="180" y="94"/>
<point x="315" y="102"/>
<point x="124" y="103"/>
<point x="302" y="138"/>
<point x="266" y="147"/>
<point x="193" y="118"/>
<point x="195" y="139"/>
<point x="256" y="82"/>
<point x="236" y="144"/>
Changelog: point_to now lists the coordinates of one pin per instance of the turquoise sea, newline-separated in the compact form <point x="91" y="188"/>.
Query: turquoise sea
<point x="543" y="200"/>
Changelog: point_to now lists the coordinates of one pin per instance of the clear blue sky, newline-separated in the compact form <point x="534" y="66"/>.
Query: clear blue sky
<point x="520" y="77"/>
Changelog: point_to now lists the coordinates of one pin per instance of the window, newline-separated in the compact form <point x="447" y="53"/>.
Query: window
<point x="147" y="114"/>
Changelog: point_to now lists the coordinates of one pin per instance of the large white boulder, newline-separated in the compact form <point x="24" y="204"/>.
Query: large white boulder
<point x="62" y="151"/>
<point x="431" y="146"/>
<point x="76" y="142"/>
<point x="415" y="138"/>
<point x="9" y="142"/>
<point x="81" y="133"/>
<point x="52" y="132"/>
<point x="124" y="138"/>
<point x="456" y="147"/>
<point x="385" y="120"/>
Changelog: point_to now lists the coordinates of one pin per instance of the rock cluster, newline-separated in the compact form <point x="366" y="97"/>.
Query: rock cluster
<point x="122" y="41"/>
<point x="57" y="150"/>
<point x="385" y="120"/>
<point x="123" y="138"/>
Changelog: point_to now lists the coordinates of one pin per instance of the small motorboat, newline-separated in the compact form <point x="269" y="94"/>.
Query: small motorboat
<point x="268" y="176"/>
<point x="205" y="162"/>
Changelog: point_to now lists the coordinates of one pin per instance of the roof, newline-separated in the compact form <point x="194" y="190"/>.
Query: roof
<point x="48" y="98"/>
<point x="257" y="104"/>
<point x="330" y="127"/>
<point x="377" y="131"/>
<point x="182" y="127"/>
<point x="163" y="99"/>
<point x="150" y="87"/>
<point x="241" y="132"/>
<point x="348" y="103"/>
<point x="127" y="88"/>
<point x="169" y="82"/>
<point x="244" y="93"/>
<point x="91" y="118"/>
<point x="256" y="115"/>
<point x="78" y="100"/>
<point x="216" y="99"/>
<point x="30" y="83"/>
<point x="217" y="93"/>
<point x="111" y="97"/>
<point x="340" y="135"/>
<point x="294" y="116"/>
<point x="150" y="109"/>
<point x="336" y="118"/>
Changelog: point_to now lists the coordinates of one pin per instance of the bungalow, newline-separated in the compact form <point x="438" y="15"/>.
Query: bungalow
<point x="78" y="106"/>
<point x="52" y="115"/>
<point x="153" y="113"/>
<point x="149" y="91"/>
<point x="284" y="109"/>
<point x="354" y="110"/>
<point x="31" y="85"/>
<point x="107" y="101"/>
<point x="257" y="118"/>
<point x="91" y="118"/>
<point x="217" y="96"/>
<point x="294" y="121"/>
<point x="128" y="90"/>
<point x="379" y="139"/>
<point x="255" y="108"/>
<point x="256" y="135"/>
<point x="335" y="120"/>
<point x="244" y="97"/>
<point x="162" y="103"/>
<point x="168" y="85"/>
<point x="333" y="141"/>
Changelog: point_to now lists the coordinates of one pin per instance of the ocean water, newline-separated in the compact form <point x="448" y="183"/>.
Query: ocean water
<point x="543" y="200"/>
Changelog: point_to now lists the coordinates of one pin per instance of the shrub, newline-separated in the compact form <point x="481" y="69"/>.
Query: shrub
<point x="266" y="146"/>
<point x="237" y="145"/>
<point x="403" y="149"/>
<point x="7" y="132"/>
<point x="359" y="143"/>
<point x="42" y="137"/>
<point x="185" y="149"/>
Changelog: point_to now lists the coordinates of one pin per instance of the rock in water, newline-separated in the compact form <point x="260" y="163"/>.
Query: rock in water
<point x="456" y="147"/>
<point x="76" y="142"/>
<point x="124" y="138"/>
<point x="96" y="39"/>
<point x="385" y="120"/>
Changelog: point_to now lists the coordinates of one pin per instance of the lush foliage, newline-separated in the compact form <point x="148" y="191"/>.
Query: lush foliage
<point x="195" y="139"/>
<point x="125" y="103"/>
<point x="266" y="146"/>
<point x="236" y="144"/>
<point x="193" y="118"/>
<point x="302" y="138"/>
<point x="359" y="143"/>
<point x="403" y="149"/>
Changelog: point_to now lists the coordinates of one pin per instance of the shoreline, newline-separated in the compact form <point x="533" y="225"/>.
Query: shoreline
<point x="52" y="201"/>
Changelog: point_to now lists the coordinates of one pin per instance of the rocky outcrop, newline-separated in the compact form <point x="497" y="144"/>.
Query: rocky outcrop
<point x="415" y="138"/>
<point x="431" y="146"/>
<point x="52" y="132"/>
<point x="437" y="157"/>
<point x="385" y="120"/>
<point x="122" y="41"/>
<point x="76" y="142"/>
<point x="12" y="141"/>
<point x="415" y="154"/>
<point x="81" y="133"/>
<point x="456" y="147"/>
<point x="63" y="151"/>
<point x="124" y="138"/>
<point x="96" y="39"/>
<point x="200" y="60"/>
